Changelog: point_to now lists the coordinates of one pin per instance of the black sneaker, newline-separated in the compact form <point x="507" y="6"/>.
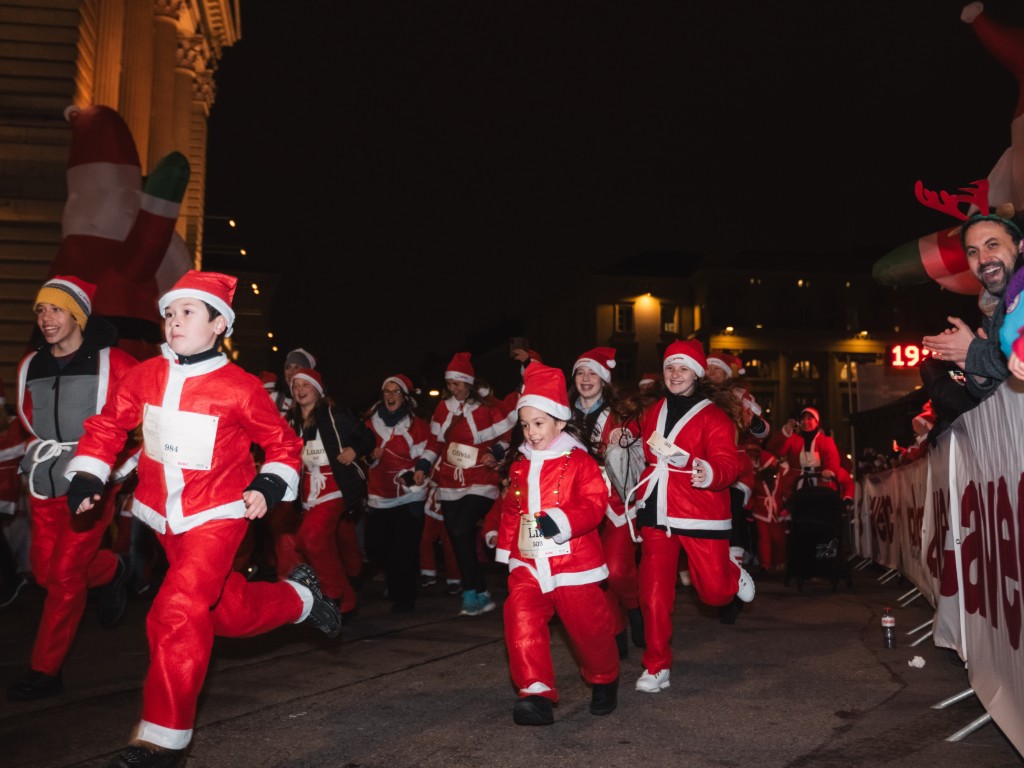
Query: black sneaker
<point x="138" y="756"/>
<point x="533" y="710"/>
<point x="604" y="698"/>
<point x="11" y="589"/>
<point x="324" y="614"/>
<point x="114" y="595"/>
<point x="35" y="685"/>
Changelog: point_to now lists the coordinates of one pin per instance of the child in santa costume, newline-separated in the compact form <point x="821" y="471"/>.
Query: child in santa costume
<point x="65" y="380"/>
<point x="397" y="478"/>
<point x="595" y="406"/>
<point x="547" y="534"/>
<point x="682" y="502"/>
<point x="468" y="439"/>
<point x="198" y="489"/>
<point x="333" y="484"/>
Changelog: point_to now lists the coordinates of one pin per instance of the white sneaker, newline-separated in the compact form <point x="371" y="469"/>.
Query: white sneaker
<point x="649" y="683"/>
<point x="684" y="578"/>
<point x="745" y="590"/>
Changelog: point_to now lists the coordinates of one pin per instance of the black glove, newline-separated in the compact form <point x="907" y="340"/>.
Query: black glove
<point x="272" y="487"/>
<point x="547" y="526"/>
<point x="83" y="486"/>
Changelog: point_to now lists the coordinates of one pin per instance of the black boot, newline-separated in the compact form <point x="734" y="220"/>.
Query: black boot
<point x="35" y="685"/>
<point x="604" y="698"/>
<point x="636" y="627"/>
<point x="139" y="756"/>
<point x="727" y="614"/>
<point x="623" y="644"/>
<point x="533" y="710"/>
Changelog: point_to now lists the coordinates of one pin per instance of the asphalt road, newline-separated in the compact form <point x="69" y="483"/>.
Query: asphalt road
<point x="800" y="681"/>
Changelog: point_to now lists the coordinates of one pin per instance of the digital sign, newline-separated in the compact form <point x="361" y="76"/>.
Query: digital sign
<point x="906" y="355"/>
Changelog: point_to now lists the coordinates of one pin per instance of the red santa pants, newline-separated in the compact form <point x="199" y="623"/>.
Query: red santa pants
<point x="623" y="579"/>
<point x="318" y="544"/>
<point x="771" y="543"/>
<point x="584" y="612"/>
<point x="66" y="560"/>
<point x="201" y="597"/>
<point x="433" y="531"/>
<point x="714" y="575"/>
<point x="349" y="549"/>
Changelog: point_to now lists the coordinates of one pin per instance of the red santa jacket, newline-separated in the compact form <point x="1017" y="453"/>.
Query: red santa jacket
<point x="822" y="455"/>
<point x="12" y="448"/>
<point x="199" y="422"/>
<point x="704" y="432"/>
<point x="566" y="484"/>
<point x="461" y="432"/>
<point x="402" y="446"/>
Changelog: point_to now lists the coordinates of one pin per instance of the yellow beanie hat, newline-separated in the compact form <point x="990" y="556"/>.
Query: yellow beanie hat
<point x="69" y="293"/>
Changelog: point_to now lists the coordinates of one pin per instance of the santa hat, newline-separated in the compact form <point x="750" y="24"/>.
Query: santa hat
<point x="731" y="364"/>
<point x="403" y="382"/>
<point x="314" y="378"/>
<point x="268" y="379"/>
<point x="649" y="378"/>
<point x="301" y="358"/>
<point x="812" y="411"/>
<point x="71" y="294"/>
<point x="600" y="360"/>
<point x="544" y="389"/>
<point x="926" y="418"/>
<point x="689" y="353"/>
<point x="460" y="369"/>
<point x="214" y="288"/>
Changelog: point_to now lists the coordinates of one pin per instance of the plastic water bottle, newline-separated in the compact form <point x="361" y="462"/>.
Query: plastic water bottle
<point x="888" y="628"/>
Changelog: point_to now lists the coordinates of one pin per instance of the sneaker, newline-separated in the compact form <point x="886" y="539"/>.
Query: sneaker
<point x="114" y="595"/>
<point x="12" y="589"/>
<point x="454" y="588"/>
<point x="533" y="710"/>
<point x="427" y="581"/>
<point x="604" y="698"/>
<point x="139" y="756"/>
<point x="484" y="602"/>
<point x="35" y="685"/>
<point x="470" y="604"/>
<point x="324" y="615"/>
<point x="745" y="590"/>
<point x="649" y="683"/>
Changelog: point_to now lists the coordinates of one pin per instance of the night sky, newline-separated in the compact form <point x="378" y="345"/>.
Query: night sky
<point x="456" y="162"/>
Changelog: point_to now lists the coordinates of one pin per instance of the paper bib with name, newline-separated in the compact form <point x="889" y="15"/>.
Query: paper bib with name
<point x="663" y="447"/>
<point x="462" y="456"/>
<point x="314" y="455"/>
<point x="179" y="438"/>
<point x="532" y="543"/>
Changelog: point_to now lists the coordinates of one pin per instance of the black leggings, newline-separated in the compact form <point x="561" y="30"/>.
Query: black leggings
<point x="461" y="518"/>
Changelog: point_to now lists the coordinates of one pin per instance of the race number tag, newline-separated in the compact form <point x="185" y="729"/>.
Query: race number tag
<point x="663" y="447"/>
<point x="532" y="543"/>
<point x="179" y="438"/>
<point x="314" y="455"/>
<point x="462" y="456"/>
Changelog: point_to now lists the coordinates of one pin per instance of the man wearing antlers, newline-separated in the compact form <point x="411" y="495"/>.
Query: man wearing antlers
<point x="992" y="245"/>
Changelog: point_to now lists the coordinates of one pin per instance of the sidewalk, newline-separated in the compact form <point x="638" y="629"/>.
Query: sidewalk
<point x="801" y="680"/>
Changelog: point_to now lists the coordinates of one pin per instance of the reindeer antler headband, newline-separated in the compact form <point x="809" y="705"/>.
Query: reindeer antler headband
<point x="976" y="193"/>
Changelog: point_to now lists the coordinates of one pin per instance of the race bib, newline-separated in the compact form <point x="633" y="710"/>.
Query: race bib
<point x="532" y="543"/>
<point x="178" y="438"/>
<point x="663" y="447"/>
<point x="810" y="459"/>
<point x="462" y="456"/>
<point x="314" y="455"/>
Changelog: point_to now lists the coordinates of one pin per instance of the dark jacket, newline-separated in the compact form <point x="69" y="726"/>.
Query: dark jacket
<point x="985" y="358"/>
<point x="340" y="423"/>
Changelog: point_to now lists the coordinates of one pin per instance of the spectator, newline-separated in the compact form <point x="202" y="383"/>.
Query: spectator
<point x="803" y="445"/>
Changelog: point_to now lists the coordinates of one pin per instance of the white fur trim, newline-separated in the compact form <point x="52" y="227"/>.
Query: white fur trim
<point x="686" y="360"/>
<point x="559" y="411"/>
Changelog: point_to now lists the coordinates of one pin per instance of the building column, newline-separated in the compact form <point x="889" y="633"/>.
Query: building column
<point x="137" y="75"/>
<point x="165" y="51"/>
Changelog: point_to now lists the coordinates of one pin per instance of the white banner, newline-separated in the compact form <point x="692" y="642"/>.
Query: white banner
<point x="879" y="516"/>
<point x="909" y="518"/>
<point x="989" y="482"/>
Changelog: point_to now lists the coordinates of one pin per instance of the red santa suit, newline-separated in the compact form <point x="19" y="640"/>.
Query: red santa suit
<point x="819" y="457"/>
<point x="562" y="574"/>
<point x="199" y="421"/>
<point x="770" y="515"/>
<point x="460" y="434"/>
<point x="434" y="532"/>
<point x="698" y="520"/>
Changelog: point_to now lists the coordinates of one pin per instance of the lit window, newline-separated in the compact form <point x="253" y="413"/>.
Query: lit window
<point x="668" y="318"/>
<point x="848" y="371"/>
<point x="624" y="321"/>
<point x="805" y="369"/>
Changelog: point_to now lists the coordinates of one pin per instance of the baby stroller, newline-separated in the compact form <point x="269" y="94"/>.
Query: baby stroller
<point x="816" y="546"/>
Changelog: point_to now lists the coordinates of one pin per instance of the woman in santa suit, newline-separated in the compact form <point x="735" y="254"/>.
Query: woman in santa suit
<point x="332" y="482"/>
<point x="595" y="406"/>
<point x="397" y="490"/>
<point x="468" y="440"/>
<point x="683" y="502"/>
